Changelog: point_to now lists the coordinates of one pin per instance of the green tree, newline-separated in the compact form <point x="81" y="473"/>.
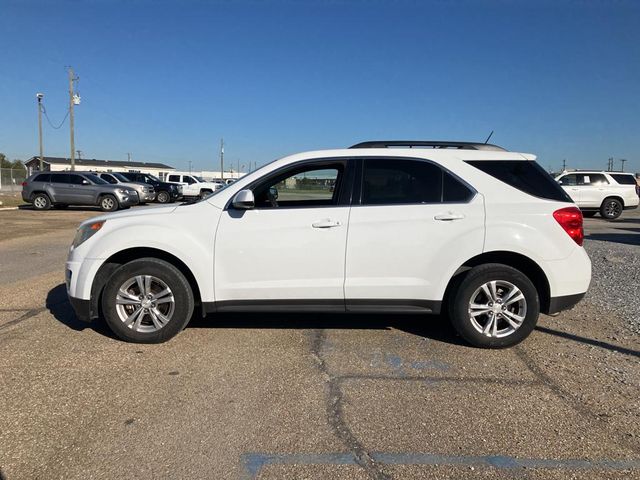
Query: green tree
<point x="4" y="161"/>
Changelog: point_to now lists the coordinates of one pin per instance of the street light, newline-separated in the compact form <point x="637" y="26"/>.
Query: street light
<point x="40" y="96"/>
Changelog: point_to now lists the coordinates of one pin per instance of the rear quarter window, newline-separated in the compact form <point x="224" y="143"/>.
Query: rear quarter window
<point x="525" y="175"/>
<point x="624" y="179"/>
<point x="43" y="177"/>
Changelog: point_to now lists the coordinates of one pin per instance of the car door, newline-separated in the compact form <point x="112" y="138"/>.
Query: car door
<point x="569" y="184"/>
<point x="84" y="192"/>
<point x="593" y="188"/>
<point x="61" y="189"/>
<point x="289" y="250"/>
<point x="413" y="225"/>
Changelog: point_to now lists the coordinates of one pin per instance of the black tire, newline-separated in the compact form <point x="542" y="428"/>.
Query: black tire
<point x="41" y="201"/>
<point x="204" y="193"/>
<point x="108" y="203"/>
<point x="163" y="197"/>
<point x="167" y="273"/>
<point x="611" y="208"/>
<point x="589" y="214"/>
<point x="461" y="300"/>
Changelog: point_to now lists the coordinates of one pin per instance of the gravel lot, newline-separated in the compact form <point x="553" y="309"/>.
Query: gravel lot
<point x="313" y="396"/>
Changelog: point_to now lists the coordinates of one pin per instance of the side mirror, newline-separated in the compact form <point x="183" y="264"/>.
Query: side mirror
<point x="244" y="200"/>
<point x="85" y="182"/>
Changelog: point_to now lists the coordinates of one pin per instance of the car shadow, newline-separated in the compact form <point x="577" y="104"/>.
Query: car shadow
<point x="624" y="238"/>
<point x="434" y="327"/>
<point x="58" y="305"/>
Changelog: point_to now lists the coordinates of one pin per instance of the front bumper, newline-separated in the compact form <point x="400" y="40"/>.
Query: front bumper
<point x="82" y="308"/>
<point x="126" y="200"/>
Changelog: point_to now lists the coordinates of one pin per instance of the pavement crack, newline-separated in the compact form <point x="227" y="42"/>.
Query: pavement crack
<point x="566" y="397"/>
<point x="335" y="414"/>
<point x="22" y="318"/>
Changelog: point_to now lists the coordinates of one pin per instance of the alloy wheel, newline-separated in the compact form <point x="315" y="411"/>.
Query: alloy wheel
<point x="497" y="309"/>
<point x="145" y="303"/>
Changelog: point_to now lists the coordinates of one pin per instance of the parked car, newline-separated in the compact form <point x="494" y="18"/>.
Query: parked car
<point x="62" y="189"/>
<point x="598" y="191"/>
<point x="471" y="230"/>
<point x="193" y="186"/>
<point x="146" y="193"/>
<point x="166" y="192"/>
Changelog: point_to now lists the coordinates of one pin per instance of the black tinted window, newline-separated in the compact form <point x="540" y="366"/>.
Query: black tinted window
<point x="60" y="178"/>
<point x="75" y="179"/>
<point x="454" y="191"/>
<point x="43" y="177"/>
<point x="525" y="175"/>
<point x="108" y="178"/>
<point x="396" y="181"/>
<point x="624" y="179"/>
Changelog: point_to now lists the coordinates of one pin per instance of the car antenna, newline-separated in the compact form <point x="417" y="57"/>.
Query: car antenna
<point x="487" y="140"/>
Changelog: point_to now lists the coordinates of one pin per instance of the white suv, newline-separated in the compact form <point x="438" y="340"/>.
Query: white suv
<point x="481" y="233"/>
<point x="597" y="191"/>
<point x="193" y="186"/>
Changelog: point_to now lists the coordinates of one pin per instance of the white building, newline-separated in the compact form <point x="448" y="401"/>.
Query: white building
<point x="57" y="164"/>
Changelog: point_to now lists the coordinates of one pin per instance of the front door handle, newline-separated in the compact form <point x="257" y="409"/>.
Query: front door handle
<point x="447" y="217"/>
<point x="326" y="223"/>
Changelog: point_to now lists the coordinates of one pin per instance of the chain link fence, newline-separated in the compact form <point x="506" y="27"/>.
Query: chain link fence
<point x="11" y="179"/>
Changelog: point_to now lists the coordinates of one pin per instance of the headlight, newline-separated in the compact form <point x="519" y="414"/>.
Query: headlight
<point x="87" y="231"/>
<point x="122" y="190"/>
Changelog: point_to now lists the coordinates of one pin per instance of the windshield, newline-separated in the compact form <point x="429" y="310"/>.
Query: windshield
<point x="152" y="178"/>
<point x="95" y="179"/>
<point x="120" y="177"/>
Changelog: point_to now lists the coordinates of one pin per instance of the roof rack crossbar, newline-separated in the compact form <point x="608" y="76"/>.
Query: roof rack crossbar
<point x="427" y="144"/>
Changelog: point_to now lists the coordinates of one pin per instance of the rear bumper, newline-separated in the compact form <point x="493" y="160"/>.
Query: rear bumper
<point x="565" y="302"/>
<point x="82" y="308"/>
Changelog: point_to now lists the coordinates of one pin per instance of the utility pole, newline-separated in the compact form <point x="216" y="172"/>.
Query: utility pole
<point x="72" y="101"/>
<point x="609" y="164"/>
<point x="189" y="167"/>
<point x="39" y="96"/>
<point x="221" y="159"/>
<point x="79" y="152"/>
<point x="238" y="170"/>
<point x="128" y="157"/>
<point x="622" y="160"/>
<point x="564" y="164"/>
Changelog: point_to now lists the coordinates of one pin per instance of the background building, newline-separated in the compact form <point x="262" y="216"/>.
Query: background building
<point x="57" y="164"/>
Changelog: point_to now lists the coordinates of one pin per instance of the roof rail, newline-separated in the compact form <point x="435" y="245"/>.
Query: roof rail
<point x="428" y="144"/>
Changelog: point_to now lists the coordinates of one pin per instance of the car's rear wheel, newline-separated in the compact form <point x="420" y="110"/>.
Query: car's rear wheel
<point x="204" y="193"/>
<point x="163" y="197"/>
<point x="108" y="203"/>
<point x="495" y="306"/>
<point x="41" y="201"/>
<point x="611" y="208"/>
<point x="147" y="301"/>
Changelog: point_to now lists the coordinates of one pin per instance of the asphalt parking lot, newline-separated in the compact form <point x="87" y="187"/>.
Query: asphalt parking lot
<point x="314" y="396"/>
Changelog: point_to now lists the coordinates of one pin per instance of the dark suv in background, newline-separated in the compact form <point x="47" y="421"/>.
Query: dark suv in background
<point x="61" y="189"/>
<point x="165" y="191"/>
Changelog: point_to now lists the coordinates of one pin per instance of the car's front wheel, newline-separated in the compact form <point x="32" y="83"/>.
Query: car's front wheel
<point x="147" y="300"/>
<point x="108" y="203"/>
<point x="163" y="197"/>
<point x="495" y="306"/>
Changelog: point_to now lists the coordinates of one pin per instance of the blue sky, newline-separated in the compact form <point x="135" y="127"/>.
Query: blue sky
<point x="165" y="80"/>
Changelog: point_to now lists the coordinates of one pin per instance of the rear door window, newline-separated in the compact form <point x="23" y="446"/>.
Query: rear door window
<point x="174" y="178"/>
<point x="395" y="181"/>
<point x="525" y="175"/>
<point x="75" y="179"/>
<point x="43" y="177"/>
<point x="594" y="179"/>
<point x="61" y="178"/>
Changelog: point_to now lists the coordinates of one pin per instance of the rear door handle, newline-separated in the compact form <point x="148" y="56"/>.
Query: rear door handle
<point x="447" y="217"/>
<point x="327" y="223"/>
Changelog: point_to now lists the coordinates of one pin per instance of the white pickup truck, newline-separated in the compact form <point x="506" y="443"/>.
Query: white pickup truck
<point x="193" y="186"/>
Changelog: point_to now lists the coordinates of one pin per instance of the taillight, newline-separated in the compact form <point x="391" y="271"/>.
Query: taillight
<point x="570" y="219"/>
<point x="24" y="184"/>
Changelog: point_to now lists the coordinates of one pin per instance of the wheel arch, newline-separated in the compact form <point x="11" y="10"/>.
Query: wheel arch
<point x="613" y="197"/>
<point x="124" y="256"/>
<point x="512" y="259"/>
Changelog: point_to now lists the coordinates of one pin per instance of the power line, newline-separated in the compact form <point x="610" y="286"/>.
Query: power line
<point x="44" y="110"/>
